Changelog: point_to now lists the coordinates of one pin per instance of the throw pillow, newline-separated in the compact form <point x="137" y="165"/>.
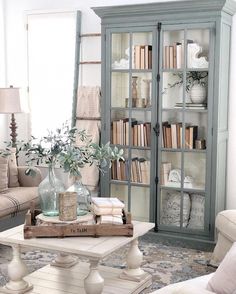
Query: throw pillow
<point x="3" y="173"/>
<point x="171" y="209"/>
<point x="224" y="281"/>
<point x="12" y="170"/>
<point x="196" y="220"/>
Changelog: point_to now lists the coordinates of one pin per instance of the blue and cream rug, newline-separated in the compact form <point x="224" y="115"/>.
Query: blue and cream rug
<point x="167" y="264"/>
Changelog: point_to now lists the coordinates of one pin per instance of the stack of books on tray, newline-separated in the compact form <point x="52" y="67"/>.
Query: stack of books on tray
<point x="191" y="105"/>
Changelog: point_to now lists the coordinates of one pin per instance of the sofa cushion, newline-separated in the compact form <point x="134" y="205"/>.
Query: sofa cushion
<point x="3" y="173"/>
<point x="226" y="223"/>
<point x="12" y="170"/>
<point x="190" y="289"/>
<point x="223" y="281"/>
<point x="199" y="282"/>
<point x="17" y="199"/>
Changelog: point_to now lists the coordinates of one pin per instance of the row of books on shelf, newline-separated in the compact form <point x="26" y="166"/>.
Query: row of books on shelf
<point x="174" y="55"/>
<point x="142" y="58"/>
<point x="139" y="170"/>
<point x="172" y="135"/>
<point x="140" y="132"/>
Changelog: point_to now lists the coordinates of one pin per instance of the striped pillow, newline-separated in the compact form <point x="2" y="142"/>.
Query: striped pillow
<point x="3" y="173"/>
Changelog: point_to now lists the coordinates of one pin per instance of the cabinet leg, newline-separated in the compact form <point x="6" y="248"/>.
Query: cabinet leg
<point x="93" y="283"/>
<point x="16" y="271"/>
<point x="64" y="260"/>
<point x="134" y="260"/>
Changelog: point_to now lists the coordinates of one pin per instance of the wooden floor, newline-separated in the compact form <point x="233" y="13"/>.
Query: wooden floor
<point x="56" y="280"/>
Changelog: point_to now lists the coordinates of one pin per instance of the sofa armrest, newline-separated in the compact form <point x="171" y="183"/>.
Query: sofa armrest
<point x="29" y="181"/>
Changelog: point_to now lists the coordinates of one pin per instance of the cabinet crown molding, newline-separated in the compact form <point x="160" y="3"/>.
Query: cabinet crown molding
<point x="160" y="8"/>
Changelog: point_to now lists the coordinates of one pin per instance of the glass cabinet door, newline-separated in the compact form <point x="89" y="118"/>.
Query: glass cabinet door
<point x="130" y="119"/>
<point x="184" y="129"/>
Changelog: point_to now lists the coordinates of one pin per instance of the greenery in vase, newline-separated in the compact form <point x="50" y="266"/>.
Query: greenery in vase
<point x="192" y="78"/>
<point x="59" y="148"/>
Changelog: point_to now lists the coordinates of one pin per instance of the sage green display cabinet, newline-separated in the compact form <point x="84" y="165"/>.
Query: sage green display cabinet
<point x="165" y="79"/>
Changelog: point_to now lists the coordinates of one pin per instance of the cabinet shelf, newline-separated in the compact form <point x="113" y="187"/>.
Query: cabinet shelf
<point x="128" y="182"/>
<point x="132" y="108"/>
<point x="187" y="190"/>
<point x="180" y="109"/>
<point x="175" y="70"/>
<point x="183" y="150"/>
<point x="131" y="147"/>
<point x="127" y="70"/>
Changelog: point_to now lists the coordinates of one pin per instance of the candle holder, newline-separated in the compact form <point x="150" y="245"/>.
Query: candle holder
<point x="147" y="83"/>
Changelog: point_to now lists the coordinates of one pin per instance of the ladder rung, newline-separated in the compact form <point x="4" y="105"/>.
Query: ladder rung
<point x="88" y="118"/>
<point x="90" y="62"/>
<point x="90" y="35"/>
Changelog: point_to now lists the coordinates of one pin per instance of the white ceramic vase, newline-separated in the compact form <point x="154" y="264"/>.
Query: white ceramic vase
<point x="198" y="93"/>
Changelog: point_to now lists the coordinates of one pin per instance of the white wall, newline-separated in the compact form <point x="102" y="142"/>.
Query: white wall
<point x="17" y="71"/>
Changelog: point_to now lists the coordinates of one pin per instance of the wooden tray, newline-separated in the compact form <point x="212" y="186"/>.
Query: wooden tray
<point x="31" y="230"/>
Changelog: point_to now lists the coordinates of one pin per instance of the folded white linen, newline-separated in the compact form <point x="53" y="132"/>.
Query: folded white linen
<point x="107" y="202"/>
<point x="106" y="206"/>
<point x="110" y="219"/>
<point x="105" y="210"/>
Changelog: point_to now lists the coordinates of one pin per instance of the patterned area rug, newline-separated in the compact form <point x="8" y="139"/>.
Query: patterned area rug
<point x="167" y="263"/>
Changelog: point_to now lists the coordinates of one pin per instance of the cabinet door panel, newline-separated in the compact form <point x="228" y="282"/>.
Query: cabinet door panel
<point x="194" y="170"/>
<point x="121" y="192"/>
<point x="140" y="202"/>
<point x="120" y="50"/>
<point x="119" y="89"/>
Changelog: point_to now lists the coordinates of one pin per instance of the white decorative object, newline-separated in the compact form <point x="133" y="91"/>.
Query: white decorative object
<point x="194" y="61"/>
<point x="123" y="63"/>
<point x="198" y="93"/>
<point x="148" y="94"/>
<point x="175" y="175"/>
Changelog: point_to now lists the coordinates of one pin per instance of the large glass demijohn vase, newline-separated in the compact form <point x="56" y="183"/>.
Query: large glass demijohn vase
<point x="83" y="195"/>
<point x="49" y="190"/>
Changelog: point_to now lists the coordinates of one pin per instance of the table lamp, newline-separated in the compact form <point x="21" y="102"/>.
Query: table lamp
<point x="10" y="103"/>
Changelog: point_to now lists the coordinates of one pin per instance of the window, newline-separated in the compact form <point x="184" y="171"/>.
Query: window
<point x="51" y="62"/>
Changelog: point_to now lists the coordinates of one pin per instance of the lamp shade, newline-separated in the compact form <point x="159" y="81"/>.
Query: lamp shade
<point x="10" y="101"/>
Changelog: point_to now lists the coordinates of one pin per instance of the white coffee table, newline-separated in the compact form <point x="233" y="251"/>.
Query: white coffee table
<point x="81" y="277"/>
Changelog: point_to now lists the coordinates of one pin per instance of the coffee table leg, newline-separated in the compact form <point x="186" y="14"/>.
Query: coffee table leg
<point x="93" y="283"/>
<point x="64" y="260"/>
<point x="16" y="271"/>
<point x="134" y="260"/>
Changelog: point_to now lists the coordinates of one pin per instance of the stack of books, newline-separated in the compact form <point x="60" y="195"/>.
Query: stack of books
<point x="141" y="134"/>
<point x="165" y="170"/>
<point x="142" y="58"/>
<point x="172" y="135"/>
<point x="119" y="170"/>
<point x="174" y="55"/>
<point x="140" y="170"/>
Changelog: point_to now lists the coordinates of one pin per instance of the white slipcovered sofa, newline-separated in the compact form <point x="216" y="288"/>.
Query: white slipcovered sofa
<point x="193" y="286"/>
<point x="220" y="282"/>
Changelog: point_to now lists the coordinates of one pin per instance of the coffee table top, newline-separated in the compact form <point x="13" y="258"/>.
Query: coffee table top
<point x="83" y="246"/>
